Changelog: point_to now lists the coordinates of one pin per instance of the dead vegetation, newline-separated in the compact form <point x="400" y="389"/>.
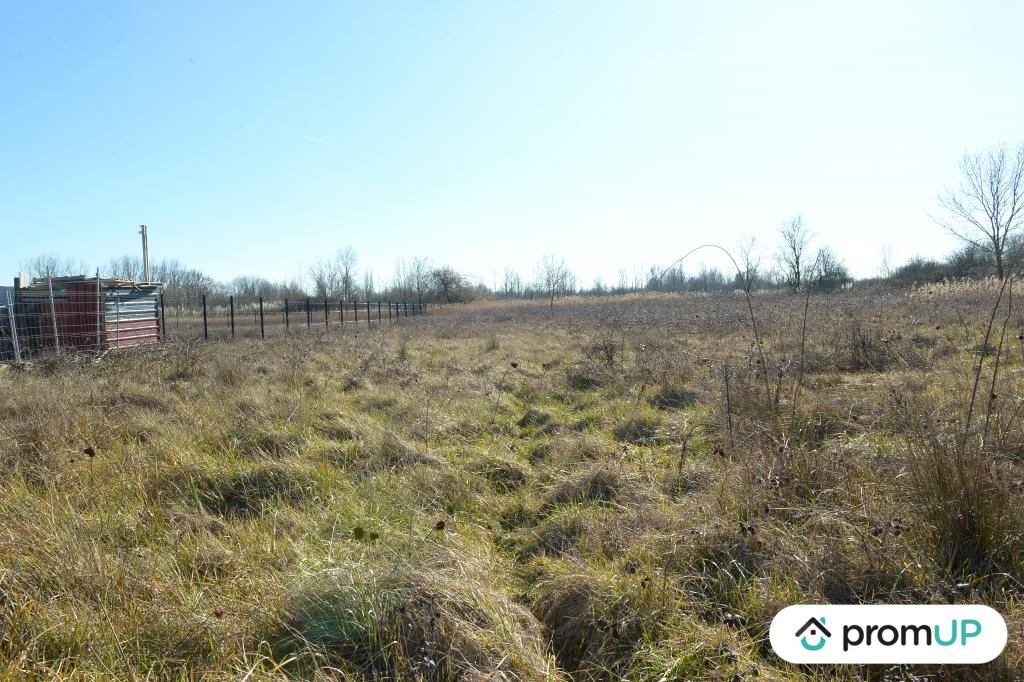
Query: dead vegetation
<point x="610" y="491"/>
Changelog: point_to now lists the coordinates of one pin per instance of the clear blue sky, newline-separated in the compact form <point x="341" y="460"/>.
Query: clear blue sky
<point x="257" y="137"/>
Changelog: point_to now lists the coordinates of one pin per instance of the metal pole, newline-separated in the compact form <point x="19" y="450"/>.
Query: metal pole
<point x="378" y="312"/>
<point x="389" y="311"/>
<point x="99" y="313"/>
<point x="231" y="314"/>
<point x="327" y="319"/>
<point x="117" y="320"/>
<point x="368" y="320"/>
<point x="14" y="328"/>
<point x="145" y="252"/>
<point x="341" y="312"/>
<point x="263" y="334"/>
<point x="53" y="314"/>
<point x="286" y="326"/>
<point x="355" y="310"/>
<point x="206" y="330"/>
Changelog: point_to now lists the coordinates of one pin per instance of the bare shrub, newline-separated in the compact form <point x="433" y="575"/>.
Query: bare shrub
<point x="964" y="497"/>
<point x="869" y="349"/>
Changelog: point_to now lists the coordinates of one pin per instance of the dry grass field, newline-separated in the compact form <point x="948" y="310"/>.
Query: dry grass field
<point x="620" y="488"/>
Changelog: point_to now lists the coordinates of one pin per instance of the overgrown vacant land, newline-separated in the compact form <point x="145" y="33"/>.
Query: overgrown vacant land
<point x="620" y="488"/>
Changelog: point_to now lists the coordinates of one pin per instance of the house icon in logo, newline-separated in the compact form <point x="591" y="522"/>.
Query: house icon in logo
<point x="817" y="629"/>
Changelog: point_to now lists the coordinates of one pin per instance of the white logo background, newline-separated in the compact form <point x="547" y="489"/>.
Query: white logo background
<point x="982" y="648"/>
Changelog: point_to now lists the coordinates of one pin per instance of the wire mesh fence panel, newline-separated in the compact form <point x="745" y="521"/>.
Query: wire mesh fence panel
<point x="183" y="318"/>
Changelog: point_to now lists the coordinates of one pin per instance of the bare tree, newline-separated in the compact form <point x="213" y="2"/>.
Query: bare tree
<point x="368" y="287"/>
<point x="885" y="264"/>
<point x="512" y="283"/>
<point x="988" y="208"/>
<point x="251" y="287"/>
<point x="125" y="267"/>
<point x="49" y="265"/>
<point x="552" y="277"/>
<point x="620" y="288"/>
<point x="793" y="251"/>
<point x="448" y="283"/>
<point x="828" y="272"/>
<point x="401" y="282"/>
<point x="345" y="263"/>
<point x="707" y="279"/>
<point x="750" y="263"/>
<point x="324" y="274"/>
<point x="181" y="283"/>
<point x="420" y="277"/>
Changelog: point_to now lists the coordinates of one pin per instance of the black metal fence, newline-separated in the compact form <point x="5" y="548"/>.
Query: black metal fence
<point x="229" y="317"/>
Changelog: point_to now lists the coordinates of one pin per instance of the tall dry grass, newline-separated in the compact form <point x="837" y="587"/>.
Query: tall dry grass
<point x="500" y="492"/>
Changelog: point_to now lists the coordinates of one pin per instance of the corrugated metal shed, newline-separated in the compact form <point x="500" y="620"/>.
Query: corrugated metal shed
<point x="131" y="315"/>
<point x="88" y="313"/>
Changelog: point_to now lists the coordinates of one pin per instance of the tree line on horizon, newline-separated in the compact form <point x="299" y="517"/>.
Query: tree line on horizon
<point x="986" y="212"/>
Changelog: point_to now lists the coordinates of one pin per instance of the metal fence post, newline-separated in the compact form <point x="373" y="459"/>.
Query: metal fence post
<point x="341" y="312"/>
<point x="355" y="310"/>
<point x="286" y="327"/>
<point x="327" y="318"/>
<point x="368" y="320"/>
<point x="117" y="320"/>
<point x="206" y="330"/>
<point x="11" y="317"/>
<point x="53" y="315"/>
<point x="231" y="314"/>
<point x="389" y="311"/>
<point x="309" y="315"/>
<point x="263" y="334"/>
<point x="378" y="312"/>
